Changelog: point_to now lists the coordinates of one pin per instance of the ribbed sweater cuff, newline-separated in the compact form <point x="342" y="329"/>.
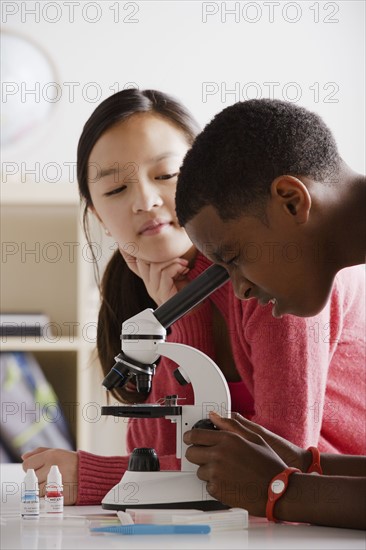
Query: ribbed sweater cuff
<point x="97" y="475"/>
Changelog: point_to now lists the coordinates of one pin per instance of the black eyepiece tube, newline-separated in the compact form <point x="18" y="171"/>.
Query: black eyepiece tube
<point x="191" y="295"/>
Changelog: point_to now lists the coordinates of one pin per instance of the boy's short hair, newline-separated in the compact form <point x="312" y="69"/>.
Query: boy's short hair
<point x="244" y="148"/>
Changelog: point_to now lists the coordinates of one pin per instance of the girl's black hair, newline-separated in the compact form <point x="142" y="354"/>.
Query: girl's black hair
<point x="123" y="294"/>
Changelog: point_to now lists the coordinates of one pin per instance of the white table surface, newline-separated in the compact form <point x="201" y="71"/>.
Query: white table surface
<point x="17" y="533"/>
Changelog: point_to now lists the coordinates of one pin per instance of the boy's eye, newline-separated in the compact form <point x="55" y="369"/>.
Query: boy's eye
<point x="167" y="176"/>
<point x="233" y="261"/>
<point x="115" y="191"/>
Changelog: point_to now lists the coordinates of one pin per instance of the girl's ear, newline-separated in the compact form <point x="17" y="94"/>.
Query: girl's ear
<point x="95" y="213"/>
<point x="293" y="197"/>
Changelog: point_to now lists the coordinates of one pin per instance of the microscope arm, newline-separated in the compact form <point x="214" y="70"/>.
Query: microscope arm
<point x="210" y="390"/>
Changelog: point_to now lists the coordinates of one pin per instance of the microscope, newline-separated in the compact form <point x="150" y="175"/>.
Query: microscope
<point x="143" y="485"/>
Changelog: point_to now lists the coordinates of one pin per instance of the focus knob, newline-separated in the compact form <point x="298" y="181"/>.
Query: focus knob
<point x="204" y="424"/>
<point x="143" y="459"/>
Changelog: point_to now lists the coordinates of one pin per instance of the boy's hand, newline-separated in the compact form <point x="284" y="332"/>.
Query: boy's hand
<point x="237" y="468"/>
<point x="41" y="460"/>
<point x="162" y="280"/>
<point x="291" y="454"/>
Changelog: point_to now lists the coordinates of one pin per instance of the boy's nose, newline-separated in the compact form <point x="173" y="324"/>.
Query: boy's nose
<point x="242" y="287"/>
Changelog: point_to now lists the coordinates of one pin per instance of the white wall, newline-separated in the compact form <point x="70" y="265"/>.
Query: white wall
<point x="198" y="51"/>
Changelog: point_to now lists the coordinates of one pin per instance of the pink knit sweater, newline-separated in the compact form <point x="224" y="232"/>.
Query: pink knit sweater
<point x="303" y="378"/>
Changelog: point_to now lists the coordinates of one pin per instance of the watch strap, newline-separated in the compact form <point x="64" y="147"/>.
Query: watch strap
<point x="276" y="489"/>
<point x="314" y="467"/>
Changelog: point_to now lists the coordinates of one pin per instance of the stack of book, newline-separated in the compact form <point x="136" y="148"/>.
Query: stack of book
<point x="23" y="324"/>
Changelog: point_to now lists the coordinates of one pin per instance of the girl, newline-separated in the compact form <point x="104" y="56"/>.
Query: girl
<point x="129" y="156"/>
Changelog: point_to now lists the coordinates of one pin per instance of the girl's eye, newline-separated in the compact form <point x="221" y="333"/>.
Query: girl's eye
<point x="115" y="191"/>
<point x="167" y="176"/>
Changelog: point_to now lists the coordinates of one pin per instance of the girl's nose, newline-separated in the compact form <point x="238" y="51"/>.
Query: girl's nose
<point x="146" y="197"/>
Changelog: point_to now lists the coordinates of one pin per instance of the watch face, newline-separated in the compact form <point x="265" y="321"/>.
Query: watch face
<point x="29" y="87"/>
<point x="277" y="486"/>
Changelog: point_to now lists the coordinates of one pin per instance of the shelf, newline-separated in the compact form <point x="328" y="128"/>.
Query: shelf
<point x="45" y="267"/>
<point x="39" y="193"/>
<point x="20" y="344"/>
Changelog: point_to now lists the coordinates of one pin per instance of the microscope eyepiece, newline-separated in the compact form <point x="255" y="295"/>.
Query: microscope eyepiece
<point x="191" y="295"/>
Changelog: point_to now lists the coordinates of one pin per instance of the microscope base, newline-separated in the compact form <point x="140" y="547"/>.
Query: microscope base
<point x="164" y="489"/>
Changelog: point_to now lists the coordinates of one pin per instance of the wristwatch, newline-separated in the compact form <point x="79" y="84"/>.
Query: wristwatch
<point x="277" y="487"/>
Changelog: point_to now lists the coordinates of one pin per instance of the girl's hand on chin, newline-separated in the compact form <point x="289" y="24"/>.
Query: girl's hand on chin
<point x="162" y="279"/>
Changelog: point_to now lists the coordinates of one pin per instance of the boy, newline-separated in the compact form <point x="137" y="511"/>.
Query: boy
<point x="264" y="192"/>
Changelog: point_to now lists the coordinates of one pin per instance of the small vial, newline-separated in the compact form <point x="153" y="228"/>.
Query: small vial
<point x="54" y="498"/>
<point x="30" y="495"/>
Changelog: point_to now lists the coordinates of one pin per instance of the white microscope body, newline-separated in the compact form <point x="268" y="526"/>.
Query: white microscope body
<point x="143" y="343"/>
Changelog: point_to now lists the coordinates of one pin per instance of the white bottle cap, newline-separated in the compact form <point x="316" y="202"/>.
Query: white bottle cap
<point x="30" y="480"/>
<point x="54" y="476"/>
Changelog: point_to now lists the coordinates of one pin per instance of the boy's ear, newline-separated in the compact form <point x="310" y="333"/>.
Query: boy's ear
<point x="293" y="196"/>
